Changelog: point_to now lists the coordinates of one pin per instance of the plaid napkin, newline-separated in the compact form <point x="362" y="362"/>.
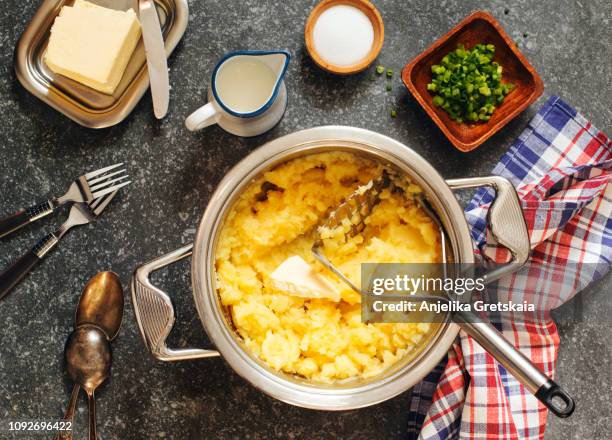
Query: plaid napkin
<point x="561" y="166"/>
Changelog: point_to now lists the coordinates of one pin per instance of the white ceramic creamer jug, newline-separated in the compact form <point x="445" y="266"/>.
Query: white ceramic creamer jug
<point x="247" y="94"/>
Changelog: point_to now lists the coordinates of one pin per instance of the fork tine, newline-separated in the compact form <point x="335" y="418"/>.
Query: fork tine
<point x="92" y="174"/>
<point x="110" y="190"/>
<point x="97" y="210"/>
<point x="107" y="183"/>
<point x="94" y="203"/>
<point x="104" y="177"/>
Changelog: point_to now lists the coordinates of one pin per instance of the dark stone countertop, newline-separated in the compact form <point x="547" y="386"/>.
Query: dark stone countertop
<point x="174" y="173"/>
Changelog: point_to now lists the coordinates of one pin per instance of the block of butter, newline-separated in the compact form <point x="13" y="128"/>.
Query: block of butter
<point x="296" y="277"/>
<point x="92" y="44"/>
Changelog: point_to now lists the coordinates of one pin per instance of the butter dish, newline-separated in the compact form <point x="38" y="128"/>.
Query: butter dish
<point x="82" y="104"/>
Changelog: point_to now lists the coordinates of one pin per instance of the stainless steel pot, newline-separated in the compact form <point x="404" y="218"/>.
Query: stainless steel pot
<point x="155" y="314"/>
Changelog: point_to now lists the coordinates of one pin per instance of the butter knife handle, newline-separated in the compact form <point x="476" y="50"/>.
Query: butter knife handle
<point x="10" y="224"/>
<point x="12" y="275"/>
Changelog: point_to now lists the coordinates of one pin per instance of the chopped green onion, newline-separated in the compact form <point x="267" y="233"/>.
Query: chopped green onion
<point x="468" y="83"/>
<point x="380" y="70"/>
<point x="389" y="87"/>
<point x="389" y="73"/>
<point x="484" y="91"/>
<point x="393" y="113"/>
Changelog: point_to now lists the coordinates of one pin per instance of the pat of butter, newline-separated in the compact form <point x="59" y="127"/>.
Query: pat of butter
<point x="92" y="44"/>
<point x="296" y="277"/>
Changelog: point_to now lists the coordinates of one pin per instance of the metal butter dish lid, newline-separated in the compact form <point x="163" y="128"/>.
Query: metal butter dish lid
<point x="80" y="103"/>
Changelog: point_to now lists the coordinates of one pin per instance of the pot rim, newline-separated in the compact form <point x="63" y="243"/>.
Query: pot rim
<point x="282" y="386"/>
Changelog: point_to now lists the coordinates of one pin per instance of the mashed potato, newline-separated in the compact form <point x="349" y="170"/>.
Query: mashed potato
<point x="276" y="217"/>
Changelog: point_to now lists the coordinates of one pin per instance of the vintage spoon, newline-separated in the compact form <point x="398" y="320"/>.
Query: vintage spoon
<point x="88" y="356"/>
<point x="101" y="304"/>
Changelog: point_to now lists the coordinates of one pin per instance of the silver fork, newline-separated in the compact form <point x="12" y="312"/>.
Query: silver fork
<point x="86" y="188"/>
<point x="80" y="214"/>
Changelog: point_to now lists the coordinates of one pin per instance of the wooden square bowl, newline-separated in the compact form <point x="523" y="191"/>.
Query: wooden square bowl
<point x="479" y="27"/>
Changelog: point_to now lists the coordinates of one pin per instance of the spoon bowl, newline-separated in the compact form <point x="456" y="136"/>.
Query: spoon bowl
<point x="101" y="304"/>
<point x="88" y="358"/>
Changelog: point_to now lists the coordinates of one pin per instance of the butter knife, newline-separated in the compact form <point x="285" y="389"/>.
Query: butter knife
<point x="157" y="64"/>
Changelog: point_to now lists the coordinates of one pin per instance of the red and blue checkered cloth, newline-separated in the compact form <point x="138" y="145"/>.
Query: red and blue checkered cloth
<point x="561" y="167"/>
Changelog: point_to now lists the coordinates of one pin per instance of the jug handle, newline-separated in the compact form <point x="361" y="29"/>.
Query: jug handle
<point x="206" y="115"/>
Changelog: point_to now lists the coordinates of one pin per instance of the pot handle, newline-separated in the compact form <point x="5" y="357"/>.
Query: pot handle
<point x="505" y="219"/>
<point x="155" y="313"/>
<point x="508" y="227"/>
<point x="546" y="390"/>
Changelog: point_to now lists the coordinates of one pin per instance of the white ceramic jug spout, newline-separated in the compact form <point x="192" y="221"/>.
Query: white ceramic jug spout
<point x="277" y="62"/>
